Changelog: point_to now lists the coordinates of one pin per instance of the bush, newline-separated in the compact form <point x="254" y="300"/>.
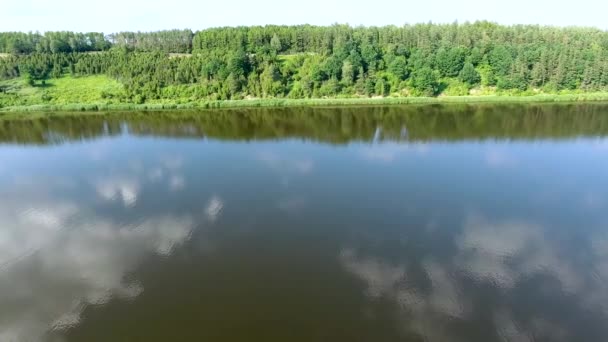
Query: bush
<point x="456" y="88"/>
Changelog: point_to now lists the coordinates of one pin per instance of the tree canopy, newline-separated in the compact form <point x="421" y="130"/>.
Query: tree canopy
<point x="312" y="61"/>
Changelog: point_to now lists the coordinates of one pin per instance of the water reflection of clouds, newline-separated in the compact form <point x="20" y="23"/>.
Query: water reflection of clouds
<point x="601" y="145"/>
<point x="40" y="219"/>
<point x="504" y="255"/>
<point x="99" y="151"/>
<point x="176" y="183"/>
<point x="286" y="164"/>
<point x="172" y="163"/>
<point x="125" y="189"/>
<point x="292" y="204"/>
<point x="57" y="257"/>
<point x="498" y="158"/>
<point x="214" y="208"/>
<point x="389" y="152"/>
<point x="126" y="183"/>
<point x="155" y="174"/>
<point x="425" y="313"/>
<point x="381" y="277"/>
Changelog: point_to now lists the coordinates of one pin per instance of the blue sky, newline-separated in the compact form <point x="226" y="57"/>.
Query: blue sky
<point x="145" y="15"/>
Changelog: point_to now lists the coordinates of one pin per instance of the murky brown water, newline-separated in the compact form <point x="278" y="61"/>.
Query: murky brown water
<point x="421" y="223"/>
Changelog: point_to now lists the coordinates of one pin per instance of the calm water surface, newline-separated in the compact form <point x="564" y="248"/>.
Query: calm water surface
<point x="420" y="223"/>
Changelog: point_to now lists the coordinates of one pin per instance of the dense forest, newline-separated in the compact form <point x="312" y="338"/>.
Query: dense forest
<point x="314" y="62"/>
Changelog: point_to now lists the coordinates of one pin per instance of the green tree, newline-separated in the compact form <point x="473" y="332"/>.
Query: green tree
<point x="232" y="62"/>
<point x="360" y="82"/>
<point x="348" y="73"/>
<point x="450" y="61"/>
<point x="275" y="43"/>
<point x="398" y="67"/>
<point x="57" y="71"/>
<point x="487" y="75"/>
<point x="469" y="75"/>
<point x="330" y="88"/>
<point x="270" y="81"/>
<point x="239" y="64"/>
<point x="425" y="81"/>
<point x="501" y="60"/>
<point x="382" y="87"/>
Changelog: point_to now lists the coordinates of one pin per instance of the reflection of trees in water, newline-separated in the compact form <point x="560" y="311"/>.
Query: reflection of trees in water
<point x="334" y="125"/>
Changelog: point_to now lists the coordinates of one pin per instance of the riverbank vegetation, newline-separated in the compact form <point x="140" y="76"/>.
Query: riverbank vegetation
<point x="279" y="64"/>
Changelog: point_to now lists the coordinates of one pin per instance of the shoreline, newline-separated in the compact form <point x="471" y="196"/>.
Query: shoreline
<point x="329" y="102"/>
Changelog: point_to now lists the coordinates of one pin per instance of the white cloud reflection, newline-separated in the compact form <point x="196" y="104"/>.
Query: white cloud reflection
<point x="126" y="183"/>
<point x="286" y="164"/>
<point x="389" y="152"/>
<point x="125" y="189"/>
<point x="381" y="277"/>
<point x="155" y="174"/>
<point x="600" y="145"/>
<point x="172" y="163"/>
<point x="506" y="252"/>
<point x="176" y="183"/>
<point x="501" y="254"/>
<point x="497" y="158"/>
<point x="56" y="258"/>
<point x="213" y="209"/>
<point x="424" y="313"/>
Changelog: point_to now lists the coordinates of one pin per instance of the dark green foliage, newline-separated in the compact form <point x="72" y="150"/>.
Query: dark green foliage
<point x="398" y="67"/>
<point x="310" y="61"/>
<point x="449" y="62"/>
<point x="469" y="75"/>
<point x="501" y="60"/>
<point x="37" y="69"/>
<point x="425" y="81"/>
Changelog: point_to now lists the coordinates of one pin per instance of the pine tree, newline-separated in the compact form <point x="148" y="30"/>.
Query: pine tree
<point x="469" y="75"/>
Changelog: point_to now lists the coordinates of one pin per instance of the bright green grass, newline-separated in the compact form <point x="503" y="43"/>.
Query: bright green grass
<point x="88" y="89"/>
<point x="287" y="57"/>
<point x="4" y="55"/>
<point x="62" y="91"/>
<point x="293" y="56"/>
<point x="180" y="55"/>
<point x="311" y="102"/>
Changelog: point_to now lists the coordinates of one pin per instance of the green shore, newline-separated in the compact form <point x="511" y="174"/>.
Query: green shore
<point x="583" y="97"/>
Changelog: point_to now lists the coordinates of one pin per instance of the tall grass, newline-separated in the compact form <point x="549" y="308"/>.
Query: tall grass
<point x="309" y="102"/>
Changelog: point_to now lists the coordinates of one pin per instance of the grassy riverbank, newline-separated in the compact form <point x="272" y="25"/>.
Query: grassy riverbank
<point x="308" y="102"/>
<point x="99" y="93"/>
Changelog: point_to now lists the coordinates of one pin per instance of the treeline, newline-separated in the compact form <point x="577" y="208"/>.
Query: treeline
<point x="52" y="42"/>
<point x="171" y="41"/>
<point x="331" y="125"/>
<point x="19" y="43"/>
<point x="310" y="61"/>
<point x="379" y="58"/>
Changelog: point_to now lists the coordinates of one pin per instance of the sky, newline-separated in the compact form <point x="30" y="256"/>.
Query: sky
<point x="149" y="15"/>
